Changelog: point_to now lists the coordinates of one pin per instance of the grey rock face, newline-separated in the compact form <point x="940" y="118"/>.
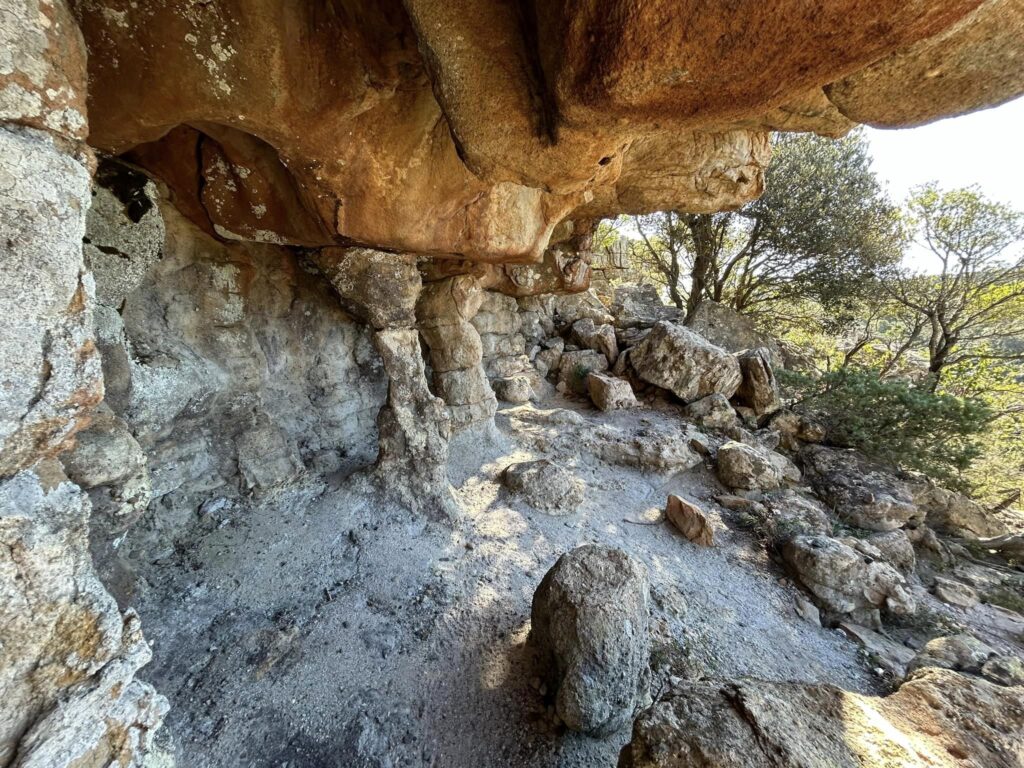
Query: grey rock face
<point x="847" y="576"/>
<point x="545" y="485"/>
<point x="677" y="359"/>
<point x="861" y="492"/>
<point x="51" y="372"/>
<point x="64" y="643"/>
<point x="590" y="622"/>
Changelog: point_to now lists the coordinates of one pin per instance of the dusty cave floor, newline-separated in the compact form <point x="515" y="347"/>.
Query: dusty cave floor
<point x="324" y="627"/>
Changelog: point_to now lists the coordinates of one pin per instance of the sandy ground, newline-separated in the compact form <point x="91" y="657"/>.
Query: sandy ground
<point x="323" y="627"/>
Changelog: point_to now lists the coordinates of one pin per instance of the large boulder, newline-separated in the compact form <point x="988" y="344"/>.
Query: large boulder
<point x="758" y="390"/>
<point x="677" y="359"/>
<point x="859" y="491"/>
<point x="939" y="719"/>
<point x="953" y="513"/>
<point x="590" y="625"/>
<point x="847" y="575"/>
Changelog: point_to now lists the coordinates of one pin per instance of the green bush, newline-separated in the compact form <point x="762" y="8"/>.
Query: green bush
<point x="894" y="421"/>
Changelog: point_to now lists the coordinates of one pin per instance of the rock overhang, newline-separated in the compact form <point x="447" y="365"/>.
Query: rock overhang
<point x="471" y="129"/>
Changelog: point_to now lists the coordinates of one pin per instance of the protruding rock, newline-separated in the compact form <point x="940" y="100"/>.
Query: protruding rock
<point x="690" y="520"/>
<point x="677" y="359"/>
<point x="962" y="652"/>
<point x="860" y="492"/>
<point x="610" y="393"/>
<point x="792" y="514"/>
<point x="896" y="548"/>
<point x="847" y="576"/>
<point x="590" y="624"/>
<point x="953" y="513"/>
<point x="545" y="485"/>
<point x="758" y="390"/>
<point x="743" y="466"/>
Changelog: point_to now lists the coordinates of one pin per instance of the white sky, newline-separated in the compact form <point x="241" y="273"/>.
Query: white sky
<point x="983" y="148"/>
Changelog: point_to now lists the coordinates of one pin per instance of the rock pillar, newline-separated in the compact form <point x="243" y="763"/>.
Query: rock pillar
<point x="444" y="312"/>
<point x="414" y="425"/>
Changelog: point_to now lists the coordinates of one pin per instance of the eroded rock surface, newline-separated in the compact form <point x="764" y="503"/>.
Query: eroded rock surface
<point x="938" y="718"/>
<point x="677" y="359"/>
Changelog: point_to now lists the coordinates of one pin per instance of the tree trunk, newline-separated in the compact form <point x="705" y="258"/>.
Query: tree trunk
<point x="703" y="234"/>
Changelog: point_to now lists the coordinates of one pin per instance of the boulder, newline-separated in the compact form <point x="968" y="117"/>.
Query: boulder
<point x="545" y="485"/>
<point x="955" y="592"/>
<point x="590" y="627"/>
<point x="743" y="466"/>
<point x="847" y="576"/>
<point x="961" y="652"/>
<point x="1004" y="670"/>
<point x="795" y="429"/>
<point x="726" y="328"/>
<point x="640" y="306"/>
<point x="953" y="513"/>
<point x="758" y="389"/>
<point x="896" y="548"/>
<point x="600" y="338"/>
<point x="690" y="520"/>
<point x="790" y="513"/>
<point x="713" y="412"/>
<point x="861" y="492"/>
<point x="513" y="389"/>
<point x="677" y="359"/>
<point x="938" y="718"/>
<point x="574" y="368"/>
<point x="610" y="393"/>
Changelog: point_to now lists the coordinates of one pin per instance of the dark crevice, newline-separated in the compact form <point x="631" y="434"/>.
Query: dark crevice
<point x="541" y="96"/>
<point x="127" y="184"/>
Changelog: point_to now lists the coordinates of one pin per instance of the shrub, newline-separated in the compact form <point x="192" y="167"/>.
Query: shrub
<point x="894" y="421"/>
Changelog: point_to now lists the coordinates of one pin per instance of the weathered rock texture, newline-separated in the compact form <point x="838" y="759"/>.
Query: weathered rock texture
<point x="677" y="359"/>
<point x="938" y="718"/>
<point x="590" y="621"/>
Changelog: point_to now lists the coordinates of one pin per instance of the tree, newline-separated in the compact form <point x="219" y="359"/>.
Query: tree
<point x="972" y="308"/>
<point x="823" y="229"/>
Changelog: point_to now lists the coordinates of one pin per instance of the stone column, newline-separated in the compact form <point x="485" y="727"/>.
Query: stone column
<point x="414" y="425"/>
<point x="67" y="655"/>
<point x="444" y="312"/>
